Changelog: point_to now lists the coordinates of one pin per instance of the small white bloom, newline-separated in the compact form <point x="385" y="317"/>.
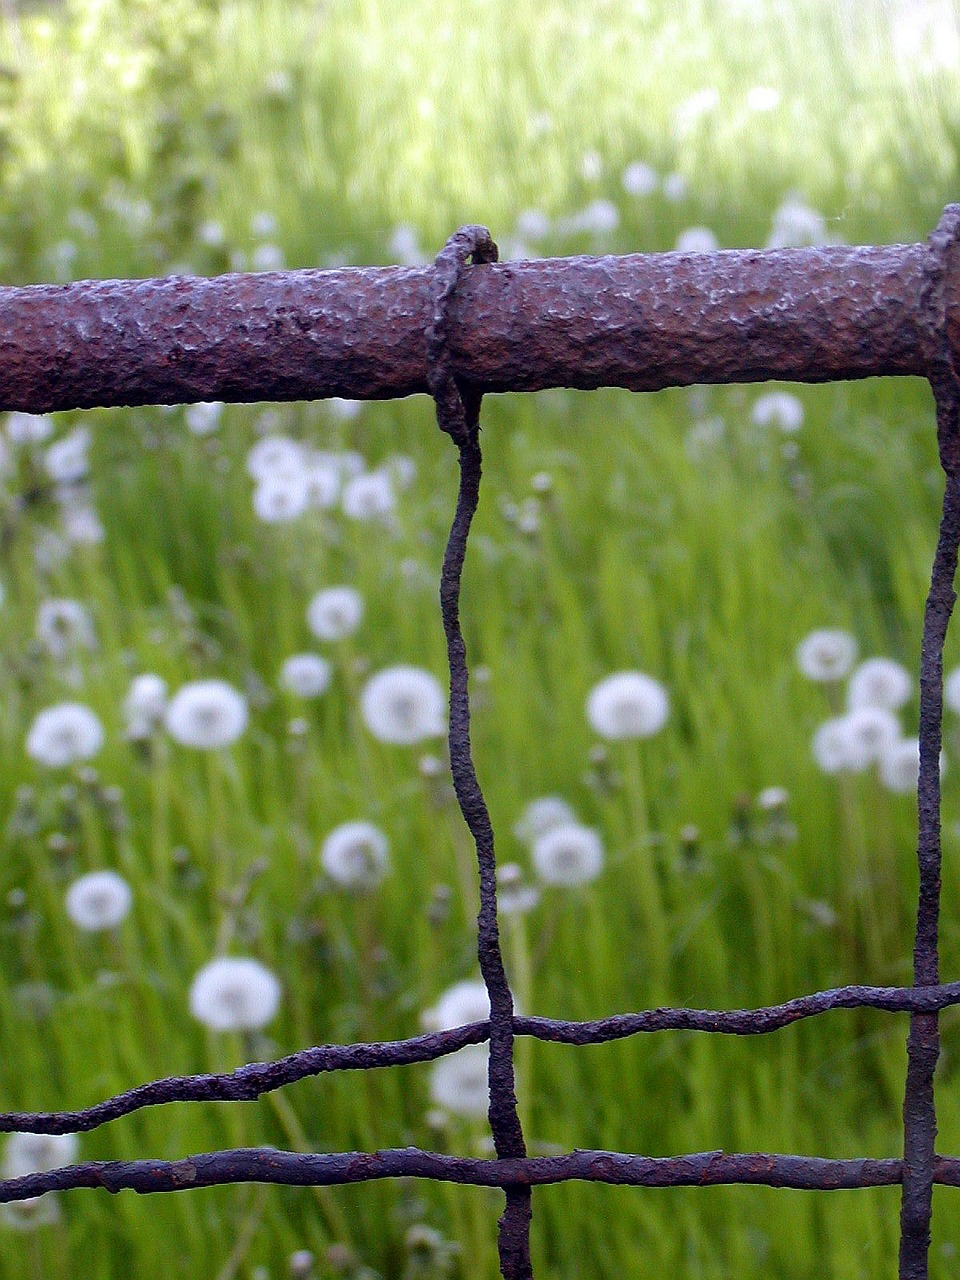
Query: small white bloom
<point x="64" y="626"/>
<point x="29" y="428"/>
<point x="459" y="1083"/>
<point x="675" y="187"/>
<point x="627" y="705"/>
<point x="305" y="674"/>
<point x="405" y="246"/>
<point x="951" y="691"/>
<point x="826" y="655"/>
<point x="144" y="705"/>
<point x="275" y="456"/>
<point x="541" y="816"/>
<point x="369" y="496"/>
<point x="335" y="613"/>
<point x="795" y="225"/>
<point x="28" y="1153"/>
<point x="404" y="705"/>
<point x="533" y="224"/>
<point x="278" y="498"/>
<point x="345" y="410"/>
<point x="322" y="481"/>
<point x="263" y="225"/>
<point x="459" y="1005"/>
<point x="211" y="233"/>
<point x="568" y="855"/>
<point x="62" y="734"/>
<point x="267" y="257"/>
<point x="773" y="798"/>
<point x="599" y="217"/>
<point x="206" y="714"/>
<point x="639" y="179"/>
<point x="81" y="524"/>
<point x="356" y="855"/>
<point x="99" y="900"/>
<point x="696" y="240"/>
<point x="35" y="1211"/>
<point x="234" y="994"/>
<point x="779" y="409"/>
<point x="204" y="417"/>
<point x="514" y="896"/>
<point x="66" y="460"/>
<point x="879" y="682"/>
<point x="873" y="732"/>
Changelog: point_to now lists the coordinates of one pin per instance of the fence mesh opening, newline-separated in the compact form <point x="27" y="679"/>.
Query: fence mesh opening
<point x="458" y="403"/>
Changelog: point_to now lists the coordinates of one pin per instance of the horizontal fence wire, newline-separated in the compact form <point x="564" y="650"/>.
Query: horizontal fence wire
<point x="673" y="319"/>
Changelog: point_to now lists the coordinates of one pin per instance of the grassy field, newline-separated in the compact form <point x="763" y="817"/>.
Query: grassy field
<point x="677" y="534"/>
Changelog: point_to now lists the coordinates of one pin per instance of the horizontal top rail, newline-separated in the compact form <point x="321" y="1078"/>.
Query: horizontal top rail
<point x="641" y="321"/>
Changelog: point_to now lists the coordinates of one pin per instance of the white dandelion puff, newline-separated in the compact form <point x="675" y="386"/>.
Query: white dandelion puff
<point x="234" y="994"/>
<point x="696" y="240"/>
<point x="639" y="179"/>
<point x="63" y="626"/>
<point x="335" y="613"/>
<point x="369" y="496"/>
<point x="275" y="455"/>
<point x="796" y="224"/>
<point x="279" y="498"/>
<point x="778" y="409"/>
<point x="568" y="855"/>
<point x="826" y="655"/>
<point x="900" y="766"/>
<point x="542" y="815"/>
<point x="322" y="480"/>
<point x="27" y="1153"/>
<point x="628" y="704"/>
<point x="879" y="682"/>
<point x="306" y="674"/>
<point x="81" y="524"/>
<point x="459" y="1005"/>
<point x="63" y="734"/>
<point x="514" y="896"/>
<point x="66" y="461"/>
<point x="100" y="900"/>
<point x="144" y="705"/>
<point x="855" y="740"/>
<point x="204" y="417"/>
<point x="355" y="855"/>
<point x="29" y="428"/>
<point x="404" y="705"/>
<point x="206" y="714"/>
<point x="459" y="1083"/>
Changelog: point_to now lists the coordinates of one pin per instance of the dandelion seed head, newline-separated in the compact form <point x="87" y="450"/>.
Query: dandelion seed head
<point x="355" y="855"/>
<point x="335" y="613"/>
<point x="64" y="626"/>
<point x="100" y="900"/>
<point x="460" y="1004"/>
<point x="27" y="1153"/>
<point x="305" y="674"/>
<point x="63" y="734"/>
<point x="66" y="461"/>
<point x="29" y="428"/>
<point x="778" y="409"/>
<point x="279" y="498"/>
<point x="369" y="496"/>
<point x="404" y="705"/>
<point x="234" y="994"/>
<point x="826" y="655"/>
<point x="206" y="714"/>
<point x="568" y="855"/>
<point x="879" y="682"/>
<point x="144" y="705"/>
<point x="900" y="766"/>
<point x="459" y="1083"/>
<point x="203" y="418"/>
<point x="628" y="704"/>
<point x="542" y="815"/>
<point x="275" y="455"/>
<point x="639" y="179"/>
<point x="696" y="240"/>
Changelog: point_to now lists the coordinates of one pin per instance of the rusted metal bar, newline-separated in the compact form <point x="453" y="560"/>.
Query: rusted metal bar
<point x="293" y="1168"/>
<point x="640" y="321"/>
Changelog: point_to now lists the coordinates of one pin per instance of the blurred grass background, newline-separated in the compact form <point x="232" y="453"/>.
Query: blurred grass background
<point x="676" y="536"/>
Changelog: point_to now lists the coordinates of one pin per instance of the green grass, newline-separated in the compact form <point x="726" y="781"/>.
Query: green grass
<point x="701" y="563"/>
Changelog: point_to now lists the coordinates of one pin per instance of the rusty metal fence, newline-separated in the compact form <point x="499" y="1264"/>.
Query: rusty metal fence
<point x="458" y="331"/>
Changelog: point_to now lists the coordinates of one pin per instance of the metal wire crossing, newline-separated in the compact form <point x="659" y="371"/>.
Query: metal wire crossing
<point x="672" y="319"/>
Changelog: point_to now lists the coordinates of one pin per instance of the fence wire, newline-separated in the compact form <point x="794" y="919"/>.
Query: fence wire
<point x="458" y="414"/>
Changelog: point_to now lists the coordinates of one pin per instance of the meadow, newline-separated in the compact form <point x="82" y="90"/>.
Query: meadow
<point x="695" y="536"/>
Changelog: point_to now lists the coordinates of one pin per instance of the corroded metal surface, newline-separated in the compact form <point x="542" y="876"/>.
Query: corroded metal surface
<point x="642" y="321"/>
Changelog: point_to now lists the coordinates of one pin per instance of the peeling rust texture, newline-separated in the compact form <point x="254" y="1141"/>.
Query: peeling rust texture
<point x="642" y="321"/>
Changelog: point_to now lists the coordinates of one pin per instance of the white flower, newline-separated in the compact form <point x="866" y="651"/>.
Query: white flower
<point x="305" y="674"/>
<point x="675" y="187"/>
<point x="459" y="1005"/>
<point x="28" y="1153"/>
<point x="627" y="705"/>
<point x="541" y="816"/>
<point x="99" y="900"/>
<point x="405" y="246"/>
<point x="356" y="855"/>
<point x="278" y="497"/>
<point x="81" y="524"/>
<point x="460" y="1083"/>
<point x="204" y="417"/>
<point x="234" y="994"/>
<point x="514" y="897"/>
<point x="368" y="497"/>
<point x="855" y="740"/>
<point x="568" y="855"/>
<point x="264" y="225"/>
<point x="29" y="428"/>
<point x="144" y="705"/>
<point x="267" y="257"/>
<point x="900" y="766"/>
<point x="826" y="655"/>
<point x="639" y="179"/>
<point x="773" y="798"/>
<point x="206" y="714"/>
<point x="322" y="480"/>
<point x="951" y="691"/>
<point x="335" y="613"/>
<point x="62" y="734"/>
<point x="795" y="224"/>
<point x="879" y="682"/>
<point x="404" y="705"/>
<point x="63" y="626"/>
<point x="345" y="410"/>
<point x="779" y="409"/>
<point x="275" y="456"/>
<point x="696" y="240"/>
<point x="66" y="460"/>
<point x="35" y="1211"/>
<point x="533" y="224"/>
